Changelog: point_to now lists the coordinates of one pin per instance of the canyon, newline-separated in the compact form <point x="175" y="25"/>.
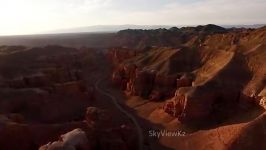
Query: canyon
<point x="206" y="81"/>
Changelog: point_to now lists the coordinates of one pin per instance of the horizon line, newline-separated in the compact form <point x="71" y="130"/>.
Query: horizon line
<point x="57" y="31"/>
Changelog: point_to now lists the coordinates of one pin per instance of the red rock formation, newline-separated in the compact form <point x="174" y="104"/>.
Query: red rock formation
<point x="262" y="98"/>
<point x="123" y="74"/>
<point x="148" y="84"/>
<point x="130" y="70"/>
<point x="175" y="106"/>
<point x="184" y="81"/>
<point x="163" y="81"/>
<point x="73" y="140"/>
<point x="117" y="78"/>
<point x="120" y="54"/>
<point x="143" y="82"/>
<point x="164" y="87"/>
<point x="194" y="104"/>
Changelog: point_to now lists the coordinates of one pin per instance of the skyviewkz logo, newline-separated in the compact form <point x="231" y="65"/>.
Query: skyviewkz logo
<point x="161" y="133"/>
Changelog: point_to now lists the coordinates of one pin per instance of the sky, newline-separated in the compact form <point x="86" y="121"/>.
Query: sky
<point x="37" y="16"/>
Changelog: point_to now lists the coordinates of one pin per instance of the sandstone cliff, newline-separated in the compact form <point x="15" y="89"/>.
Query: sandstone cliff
<point x="212" y="73"/>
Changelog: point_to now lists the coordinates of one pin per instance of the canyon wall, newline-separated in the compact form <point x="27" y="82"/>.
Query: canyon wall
<point x="210" y="74"/>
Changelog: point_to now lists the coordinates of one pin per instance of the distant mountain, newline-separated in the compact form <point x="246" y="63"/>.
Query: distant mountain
<point x="244" y="26"/>
<point x="108" y="28"/>
<point x="116" y="28"/>
<point x="174" y="37"/>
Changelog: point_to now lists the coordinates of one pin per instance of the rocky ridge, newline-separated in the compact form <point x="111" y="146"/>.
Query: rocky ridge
<point x="211" y="74"/>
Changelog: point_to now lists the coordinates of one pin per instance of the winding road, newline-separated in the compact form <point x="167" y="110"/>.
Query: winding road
<point x="122" y="110"/>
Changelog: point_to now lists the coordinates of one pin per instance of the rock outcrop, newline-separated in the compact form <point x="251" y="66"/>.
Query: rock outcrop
<point x="146" y="83"/>
<point x="154" y="74"/>
<point x="142" y="84"/>
<point x="262" y="98"/>
<point x="195" y="104"/>
<point x="149" y="83"/>
<point x="118" y="55"/>
<point x="73" y="140"/>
